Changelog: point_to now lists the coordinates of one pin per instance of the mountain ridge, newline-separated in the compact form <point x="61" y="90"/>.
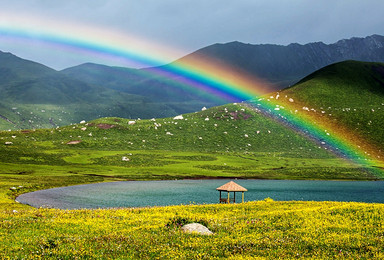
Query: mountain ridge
<point x="285" y="65"/>
<point x="91" y="90"/>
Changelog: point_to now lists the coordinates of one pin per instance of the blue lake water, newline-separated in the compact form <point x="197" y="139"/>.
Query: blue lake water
<point x="176" y="192"/>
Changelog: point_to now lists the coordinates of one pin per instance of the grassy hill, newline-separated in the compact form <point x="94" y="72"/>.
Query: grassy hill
<point x="91" y="91"/>
<point x="162" y="89"/>
<point x="347" y="96"/>
<point x="14" y="69"/>
<point x="234" y="140"/>
<point x="35" y="96"/>
<point x="230" y="141"/>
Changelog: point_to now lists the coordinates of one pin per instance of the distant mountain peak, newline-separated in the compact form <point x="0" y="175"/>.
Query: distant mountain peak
<point x="284" y="65"/>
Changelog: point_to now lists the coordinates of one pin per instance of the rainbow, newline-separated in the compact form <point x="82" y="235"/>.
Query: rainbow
<point x="201" y="73"/>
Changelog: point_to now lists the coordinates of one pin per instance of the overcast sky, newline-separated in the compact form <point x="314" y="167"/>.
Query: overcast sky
<point x="188" y="25"/>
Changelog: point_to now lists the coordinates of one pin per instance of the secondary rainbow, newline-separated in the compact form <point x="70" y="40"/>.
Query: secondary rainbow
<point x="200" y="73"/>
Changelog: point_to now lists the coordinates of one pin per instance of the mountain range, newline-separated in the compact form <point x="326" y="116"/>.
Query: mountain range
<point x="36" y="96"/>
<point x="344" y="100"/>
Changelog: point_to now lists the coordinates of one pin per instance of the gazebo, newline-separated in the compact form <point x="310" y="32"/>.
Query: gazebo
<point x="231" y="187"/>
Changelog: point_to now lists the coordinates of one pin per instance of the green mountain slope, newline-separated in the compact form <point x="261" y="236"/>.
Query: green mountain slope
<point x="90" y="91"/>
<point x="234" y="140"/>
<point x="34" y="96"/>
<point x="151" y="83"/>
<point x="14" y="69"/>
<point x="348" y="96"/>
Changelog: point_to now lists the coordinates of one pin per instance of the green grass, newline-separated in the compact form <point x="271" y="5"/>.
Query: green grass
<point x="261" y="229"/>
<point x="348" y="94"/>
<point x="236" y="142"/>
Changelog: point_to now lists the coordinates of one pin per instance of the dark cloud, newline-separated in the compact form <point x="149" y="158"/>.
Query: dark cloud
<point x="190" y="25"/>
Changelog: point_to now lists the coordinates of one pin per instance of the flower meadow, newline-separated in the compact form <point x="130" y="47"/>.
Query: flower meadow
<point x="260" y="229"/>
<point x="228" y="141"/>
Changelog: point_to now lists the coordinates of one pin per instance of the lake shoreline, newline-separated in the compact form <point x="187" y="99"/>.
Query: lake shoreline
<point x="134" y="194"/>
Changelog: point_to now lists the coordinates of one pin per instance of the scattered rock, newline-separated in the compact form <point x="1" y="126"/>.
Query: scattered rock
<point x="180" y="117"/>
<point x="74" y="142"/>
<point x="196" y="228"/>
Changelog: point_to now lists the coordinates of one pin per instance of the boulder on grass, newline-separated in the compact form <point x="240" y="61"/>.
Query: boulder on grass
<point x="196" y="228"/>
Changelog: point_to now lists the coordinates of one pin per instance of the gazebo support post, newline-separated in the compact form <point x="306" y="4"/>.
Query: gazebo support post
<point x="242" y="197"/>
<point x="231" y="187"/>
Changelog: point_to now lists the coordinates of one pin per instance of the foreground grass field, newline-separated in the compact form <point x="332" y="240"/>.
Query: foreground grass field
<point x="263" y="229"/>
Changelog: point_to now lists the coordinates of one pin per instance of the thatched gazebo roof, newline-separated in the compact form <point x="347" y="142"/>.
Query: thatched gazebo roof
<point x="231" y="187"/>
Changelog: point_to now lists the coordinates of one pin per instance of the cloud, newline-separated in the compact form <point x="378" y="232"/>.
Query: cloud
<point x="190" y="25"/>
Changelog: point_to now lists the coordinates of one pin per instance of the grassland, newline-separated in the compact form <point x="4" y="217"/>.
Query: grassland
<point x="348" y="96"/>
<point x="262" y="230"/>
<point x="228" y="141"/>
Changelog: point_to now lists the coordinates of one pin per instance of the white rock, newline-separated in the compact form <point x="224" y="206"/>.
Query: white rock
<point x="179" y="117"/>
<point x="196" y="228"/>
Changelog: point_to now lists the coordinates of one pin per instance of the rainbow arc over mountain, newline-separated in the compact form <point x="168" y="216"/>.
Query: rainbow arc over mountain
<point x="198" y="73"/>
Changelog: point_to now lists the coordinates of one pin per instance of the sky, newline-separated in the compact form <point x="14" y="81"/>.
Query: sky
<point x="184" y="26"/>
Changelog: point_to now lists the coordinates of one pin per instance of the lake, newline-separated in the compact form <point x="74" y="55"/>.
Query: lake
<point x="176" y="192"/>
